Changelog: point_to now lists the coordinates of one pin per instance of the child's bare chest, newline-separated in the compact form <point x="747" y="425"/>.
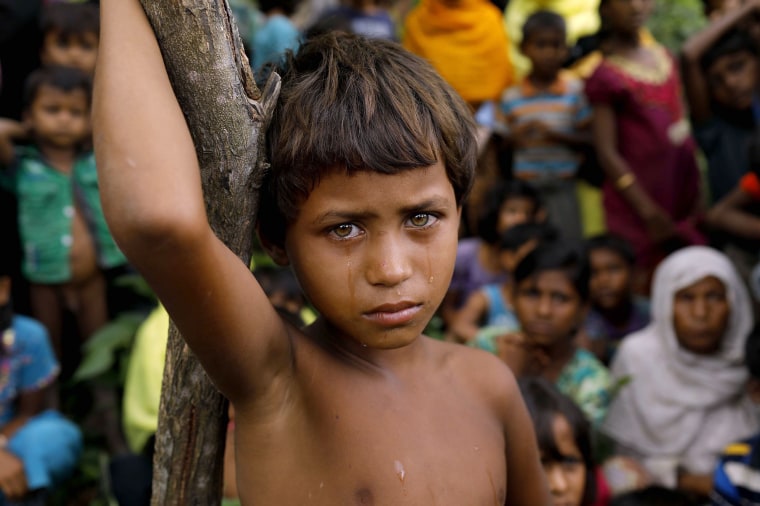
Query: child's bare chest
<point x="383" y="446"/>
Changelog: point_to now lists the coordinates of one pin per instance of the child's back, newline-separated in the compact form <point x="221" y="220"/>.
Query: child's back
<point x="359" y="407"/>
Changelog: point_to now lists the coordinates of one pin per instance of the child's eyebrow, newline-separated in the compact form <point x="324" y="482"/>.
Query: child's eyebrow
<point x="436" y="202"/>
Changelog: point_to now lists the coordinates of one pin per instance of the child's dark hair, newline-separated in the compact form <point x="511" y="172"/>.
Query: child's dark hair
<point x="70" y="19"/>
<point x="752" y="352"/>
<point x="542" y="20"/>
<point x="654" y="495"/>
<point x="520" y="234"/>
<point x="352" y="104"/>
<point x="490" y="206"/>
<point x="753" y="149"/>
<point x="287" y="6"/>
<point x="545" y="403"/>
<point x="614" y="243"/>
<point x="558" y="255"/>
<point x="735" y="41"/>
<point x="61" y="78"/>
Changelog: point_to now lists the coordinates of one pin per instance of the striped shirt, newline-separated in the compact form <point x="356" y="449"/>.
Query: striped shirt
<point x="563" y="108"/>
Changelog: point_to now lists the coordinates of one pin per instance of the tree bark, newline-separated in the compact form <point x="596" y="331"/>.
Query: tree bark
<point x="227" y="115"/>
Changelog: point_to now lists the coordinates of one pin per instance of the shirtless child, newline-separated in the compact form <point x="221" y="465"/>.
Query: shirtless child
<point x="367" y="184"/>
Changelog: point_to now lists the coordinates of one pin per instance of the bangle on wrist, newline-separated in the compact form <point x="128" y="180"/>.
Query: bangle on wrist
<point x="625" y="181"/>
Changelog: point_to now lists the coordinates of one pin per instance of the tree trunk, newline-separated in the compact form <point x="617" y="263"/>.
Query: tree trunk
<point x="226" y="114"/>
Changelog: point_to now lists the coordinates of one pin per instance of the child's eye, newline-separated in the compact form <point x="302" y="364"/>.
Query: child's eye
<point x="345" y="231"/>
<point x="421" y="220"/>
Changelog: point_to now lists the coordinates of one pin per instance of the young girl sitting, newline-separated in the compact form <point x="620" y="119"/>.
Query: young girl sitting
<point x="550" y="299"/>
<point x="685" y="399"/>
<point x="564" y="441"/>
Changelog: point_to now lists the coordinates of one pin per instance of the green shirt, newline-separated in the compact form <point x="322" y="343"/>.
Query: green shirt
<point x="587" y="382"/>
<point x="47" y="200"/>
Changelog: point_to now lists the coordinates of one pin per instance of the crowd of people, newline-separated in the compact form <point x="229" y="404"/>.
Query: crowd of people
<point x="607" y="250"/>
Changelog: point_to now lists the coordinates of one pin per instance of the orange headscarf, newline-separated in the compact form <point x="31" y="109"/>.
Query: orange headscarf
<point x="466" y="43"/>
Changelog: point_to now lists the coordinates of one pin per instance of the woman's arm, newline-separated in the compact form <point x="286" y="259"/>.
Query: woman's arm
<point x="604" y="131"/>
<point x="729" y="215"/>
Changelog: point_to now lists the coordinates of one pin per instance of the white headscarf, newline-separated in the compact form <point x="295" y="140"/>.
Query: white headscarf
<point x="681" y="409"/>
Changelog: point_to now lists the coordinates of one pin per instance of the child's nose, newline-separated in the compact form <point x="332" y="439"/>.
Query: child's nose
<point x="389" y="263"/>
<point x="557" y="480"/>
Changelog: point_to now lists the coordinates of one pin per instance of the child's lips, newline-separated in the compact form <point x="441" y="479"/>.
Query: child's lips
<point x="394" y="314"/>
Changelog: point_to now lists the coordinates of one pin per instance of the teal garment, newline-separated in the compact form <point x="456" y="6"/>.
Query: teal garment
<point x="587" y="382"/>
<point x="46" y="204"/>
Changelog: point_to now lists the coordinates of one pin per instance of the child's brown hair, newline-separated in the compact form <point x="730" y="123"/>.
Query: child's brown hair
<point x="353" y="104"/>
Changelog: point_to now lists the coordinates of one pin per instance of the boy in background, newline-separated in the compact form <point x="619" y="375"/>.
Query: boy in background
<point x="70" y="34"/>
<point x="369" y="169"/>
<point x="546" y="119"/>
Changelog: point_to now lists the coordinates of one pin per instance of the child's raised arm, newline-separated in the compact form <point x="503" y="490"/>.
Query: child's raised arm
<point x="694" y="81"/>
<point x="151" y="192"/>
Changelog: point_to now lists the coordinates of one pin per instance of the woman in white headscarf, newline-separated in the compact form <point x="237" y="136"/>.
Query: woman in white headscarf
<point x="685" y="398"/>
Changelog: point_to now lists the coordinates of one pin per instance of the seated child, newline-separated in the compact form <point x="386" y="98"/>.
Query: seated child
<point x="546" y="121"/>
<point x="370" y="230"/>
<point x="70" y="35"/>
<point x="564" y="441"/>
<point x="506" y="204"/>
<point x="735" y="479"/>
<point x="65" y="239"/>
<point x="615" y="310"/>
<point x="685" y="398"/>
<point x="488" y="311"/>
<point x="39" y="448"/>
<point x="550" y="297"/>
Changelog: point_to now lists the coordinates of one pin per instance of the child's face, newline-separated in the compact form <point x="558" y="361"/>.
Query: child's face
<point x="627" y="16"/>
<point x="59" y="118"/>
<point x="733" y="78"/>
<point x="79" y="51"/>
<point x="567" y="478"/>
<point x="610" y="284"/>
<point x="548" y="307"/>
<point x="700" y="315"/>
<point x="547" y="51"/>
<point x="513" y="211"/>
<point x="374" y="253"/>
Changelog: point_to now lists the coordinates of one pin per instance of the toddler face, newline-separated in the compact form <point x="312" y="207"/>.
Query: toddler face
<point x="733" y="79"/>
<point x="78" y="51"/>
<point x="610" y="283"/>
<point x="513" y="211"/>
<point x="59" y="118"/>
<point x="547" y="51"/>
<point x="700" y="315"/>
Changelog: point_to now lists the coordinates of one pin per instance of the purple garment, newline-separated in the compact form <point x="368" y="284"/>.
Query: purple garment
<point x="661" y="155"/>
<point x="469" y="275"/>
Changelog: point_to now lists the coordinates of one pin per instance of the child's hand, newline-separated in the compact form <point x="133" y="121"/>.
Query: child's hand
<point x="12" y="129"/>
<point x="530" y="133"/>
<point x="659" y="225"/>
<point x="12" y="477"/>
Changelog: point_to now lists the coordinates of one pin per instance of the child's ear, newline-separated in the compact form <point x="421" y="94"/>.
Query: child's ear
<point x="275" y="251"/>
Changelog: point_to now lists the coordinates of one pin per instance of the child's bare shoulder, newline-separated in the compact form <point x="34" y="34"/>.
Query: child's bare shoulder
<point x="483" y="373"/>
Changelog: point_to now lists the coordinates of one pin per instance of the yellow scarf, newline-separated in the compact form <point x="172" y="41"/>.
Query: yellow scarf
<point x="466" y="43"/>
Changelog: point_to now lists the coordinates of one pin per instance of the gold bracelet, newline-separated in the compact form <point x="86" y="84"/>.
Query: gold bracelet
<point x="625" y="181"/>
